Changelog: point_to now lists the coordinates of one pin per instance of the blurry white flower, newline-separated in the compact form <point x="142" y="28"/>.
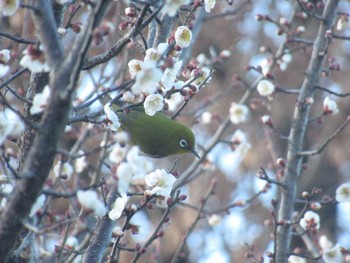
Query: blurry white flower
<point x="170" y="75"/>
<point x="121" y="137"/>
<point x="153" y="103"/>
<point x="332" y="255"/>
<point x="128" y="96"/>
<point x="147" y="79"/>
<point x="330" y="106"/>
<point x="266" y="119"/>
<point x="343" y="22"/>
<point x="311" y="220"/>
<point x="171" y="6"/>
<point x="239" y="113"/>
<point x="34" y="59"/>
<point x="9" y="7"/>
<point x="62" y="31"/>
<point x="265" y="88"/>
<point x="4" y="56"/>
<point x="139" y="165"/>
<point x="324" y="242"/>
<point x="161" y="182"/>
<point x="155" y="54"/>
<point x="80" y="163"/>
<point x="240" y="142"/>
<point x="295" y="259"/>
<point x="39" y="203"/>
<point x="207" y="117"/>
<point x="135" y="66"/>
<point x="124" y="173"/>
<point x="112" y="118"/>
<point x="117" y="154"/>
<point x="118" y="207"/>
<point x="3" y="70"/>
<point x="342" y="193"/>
<point x="287" y="58"/>
<point x="89" y="199"/>
<point x="40" y="101"/>
<point x="214" y="220"/>
<point x="71" y="242"/>
<point x="300" y="29"/>
<point x="174" y="101"/>
<point x="209" y="5"/>
<point x="64" y="171"/>
<point x="183" y="36"/>
<point x="11" y="126"/>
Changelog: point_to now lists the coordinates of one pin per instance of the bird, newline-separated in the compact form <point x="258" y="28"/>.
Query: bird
<point x="157" y="136"/>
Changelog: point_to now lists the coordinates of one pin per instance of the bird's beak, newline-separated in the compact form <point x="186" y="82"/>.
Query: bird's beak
<point x="195" y="153"/>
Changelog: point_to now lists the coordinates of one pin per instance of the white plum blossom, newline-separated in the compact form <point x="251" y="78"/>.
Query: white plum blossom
<point x="311" y="220"/>
<point x="265" y="87"/>
<point x="118" y="207"/>
<point x="329" y="107"/>
<point x="266" y="119"/>
<point x="342" y="193"/>
<point x="296" y="259"/>
<point x="124" y="173"/>
<point x="207" y="117"/>
<point x="332" y="255"/>
<point x="112" y="118"/>
<point x="34" y="60"/>
<point x="64" y="171"/>
<point x="4" y="56"/>
<point x="153" y="103"/>
<point x="71" y="242"/>
<point x="170" y="75"/>
<point x="214" y="220"/>
<point x="183" y="36"/>
<point x="89" y="200"/>
<point x="40" y="101"/>
<point x="117" y="153"/>
<point x="174" y="101"/>
<point x="4" y="69"/>
<point x="147" y="79"/>
<point x="155" y="54"/>
<point x="241" y="143"/>
<point x="324" y="242"/>
<point x="10" y="126"/>
<point x="139" y="165"/>
<point x="239" y="113"/>
<point x="209" y="5"/>
<point x="342" y="23"/>
<point x="80" y="163"/>
<point x="39" y="203"/>
<point x="172" y="6"/>
<point x="161" y="182"/>
<point x="135" y="66"/>
<point x="9" y="7"/>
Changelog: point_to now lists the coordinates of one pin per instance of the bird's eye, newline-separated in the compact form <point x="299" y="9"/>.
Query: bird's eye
<point x="183" y="143"/>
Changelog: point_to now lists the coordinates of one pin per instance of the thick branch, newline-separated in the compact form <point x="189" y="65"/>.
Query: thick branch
<point x="297" y="134"/>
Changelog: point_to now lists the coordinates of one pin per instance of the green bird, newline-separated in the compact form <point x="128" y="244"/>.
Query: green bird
<point x="157" y="136"/>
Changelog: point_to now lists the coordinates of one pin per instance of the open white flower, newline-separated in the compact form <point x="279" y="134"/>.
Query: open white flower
<point x="117" y="154"/>
<point x="332" y="255"/>
<point x="147" y="79"/>
<point x="342" y="193"/>
<point x="153" y="103"/>
<point x="9" y="7"/>
<point x="124" y="174"/>
<point x="112" y="118"/>
<point x="118" y="207"/>
<point x="40" y="101"/>
<point x="183" y="36"/>
<point x="170" y="75"/>
<point x="239" y="113"/>
<point x="174" y="101"/>
<point x="161" y="182"/>
<point x="329" y="107"/>
<point x="311" y="220"/>
<point x="209" y="5"/>
<point x="135" y="66"/>
<point x="10" y="126"/>
<point x="214" y="220"/>
<point x="3" y="70"/>
<point x="80" y="163"/>
<point x="265" y="87"/>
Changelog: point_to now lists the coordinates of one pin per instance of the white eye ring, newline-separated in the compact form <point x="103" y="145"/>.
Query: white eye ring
<point x="183" y="143"/>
